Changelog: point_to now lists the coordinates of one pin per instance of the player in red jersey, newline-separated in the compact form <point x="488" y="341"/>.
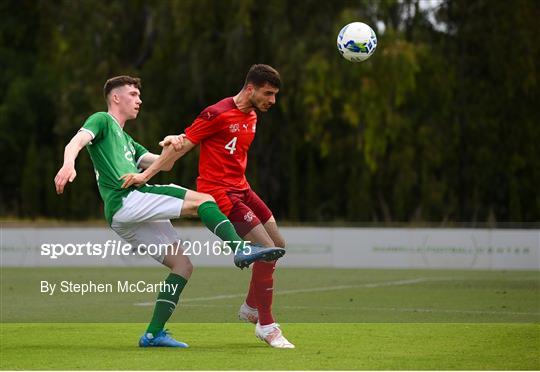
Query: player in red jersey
<point x="224" y="132"/>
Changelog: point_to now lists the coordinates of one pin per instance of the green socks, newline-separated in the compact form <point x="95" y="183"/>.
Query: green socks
<point x="166" y="302"/>
<point x="217" y="222"/>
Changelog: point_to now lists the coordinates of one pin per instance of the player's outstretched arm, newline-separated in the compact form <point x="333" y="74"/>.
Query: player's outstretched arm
<point x="180" y="144"/>
<point x="147" y="160"/>
<point x="177" y="141"/>
<point x="165" y="162"/>
<point x="67" y="172"/>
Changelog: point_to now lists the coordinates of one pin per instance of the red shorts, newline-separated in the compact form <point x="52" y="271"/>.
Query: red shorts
<point x="244" y="208"/>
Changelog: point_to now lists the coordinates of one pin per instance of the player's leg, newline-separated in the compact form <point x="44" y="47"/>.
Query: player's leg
<point x="250" y="216"/>
<point x="261" y="286"/>
<point x="249" y="225"/>
<point x="262" y="280"/>
<point x="258" y="304"/>
<point x="272" y="229"/>
<point x="159" y="202"/>
<point x="168" y="298"/>
<point x="270" y="333"/>
<point x="257" y="307"/>
<point x="262" y="276"/>
<point x="162" y="235"/>
<point x="247" y="218"/>
<point x="204" y="206"/>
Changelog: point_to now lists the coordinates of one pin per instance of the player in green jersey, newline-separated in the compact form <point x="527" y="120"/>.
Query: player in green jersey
<point x="142" y="215"/>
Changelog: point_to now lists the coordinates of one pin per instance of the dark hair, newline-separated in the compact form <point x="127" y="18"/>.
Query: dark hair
<point x="120" y="81"/>
<point x="259" y="75"/>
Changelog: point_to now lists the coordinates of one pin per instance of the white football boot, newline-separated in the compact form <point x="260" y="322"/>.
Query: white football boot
<point x="248" y="314"/>
<point x="271" y="334"/>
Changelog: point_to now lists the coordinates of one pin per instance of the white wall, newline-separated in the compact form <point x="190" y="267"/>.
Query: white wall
<point x="310" y="247"/>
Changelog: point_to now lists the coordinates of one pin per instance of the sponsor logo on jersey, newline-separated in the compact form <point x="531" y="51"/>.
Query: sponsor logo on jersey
<point x="129" y="152"/>
<point x="206" y="115"/>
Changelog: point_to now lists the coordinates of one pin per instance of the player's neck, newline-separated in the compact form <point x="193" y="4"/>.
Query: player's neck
<point x="117" y="117"/>
<point x="242" y="102"/>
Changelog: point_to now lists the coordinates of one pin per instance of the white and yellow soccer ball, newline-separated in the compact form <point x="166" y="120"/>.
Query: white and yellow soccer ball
<point x="356" y="42"/>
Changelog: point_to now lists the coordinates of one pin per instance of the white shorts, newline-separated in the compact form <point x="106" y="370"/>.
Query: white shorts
<point x="144" y="218"/>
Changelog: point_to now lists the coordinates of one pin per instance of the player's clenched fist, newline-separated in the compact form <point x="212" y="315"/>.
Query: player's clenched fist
<point x="65" y="174"/>
<point x="175" y="141"/>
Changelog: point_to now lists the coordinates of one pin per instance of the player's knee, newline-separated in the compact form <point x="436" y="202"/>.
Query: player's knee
<point x="188" y="268"/>
<point x="183" y="267"/>
<point x="279" y="242"/>
<point x="178" y="262"/>
<point x="194" y="201"/>
<point x="203" y="198"/>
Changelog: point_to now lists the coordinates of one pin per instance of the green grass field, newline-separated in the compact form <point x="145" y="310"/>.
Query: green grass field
<point x="338" y="319"/>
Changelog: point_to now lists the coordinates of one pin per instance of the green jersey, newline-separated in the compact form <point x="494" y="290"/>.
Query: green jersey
<point x="113" y="153"/>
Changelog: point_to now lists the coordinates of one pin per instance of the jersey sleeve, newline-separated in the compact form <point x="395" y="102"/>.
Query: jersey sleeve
<point x="95" y="125"/>
<point x="204" y="126"/>
<point x="140" y="151"/>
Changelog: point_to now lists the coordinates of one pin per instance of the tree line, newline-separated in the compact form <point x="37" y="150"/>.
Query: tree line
<point x="440" y="125"/>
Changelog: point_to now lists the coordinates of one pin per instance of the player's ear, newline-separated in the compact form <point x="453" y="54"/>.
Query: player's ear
<point x="250" y="88"/>
<point x="114" y="95"/>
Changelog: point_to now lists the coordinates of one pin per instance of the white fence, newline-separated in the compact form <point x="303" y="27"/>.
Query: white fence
<point x="306" y="247"/>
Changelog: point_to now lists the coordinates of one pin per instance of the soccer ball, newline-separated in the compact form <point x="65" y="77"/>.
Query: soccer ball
<point x="356" y="42"/>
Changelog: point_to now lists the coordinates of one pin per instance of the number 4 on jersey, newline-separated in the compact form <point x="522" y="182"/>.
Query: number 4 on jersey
<point x="231" y="146"/>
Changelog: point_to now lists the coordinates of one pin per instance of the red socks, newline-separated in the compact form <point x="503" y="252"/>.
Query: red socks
<point x="261" y="290"/>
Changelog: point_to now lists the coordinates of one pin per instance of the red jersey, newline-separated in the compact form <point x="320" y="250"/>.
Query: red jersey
<point x="224" y="134"/>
